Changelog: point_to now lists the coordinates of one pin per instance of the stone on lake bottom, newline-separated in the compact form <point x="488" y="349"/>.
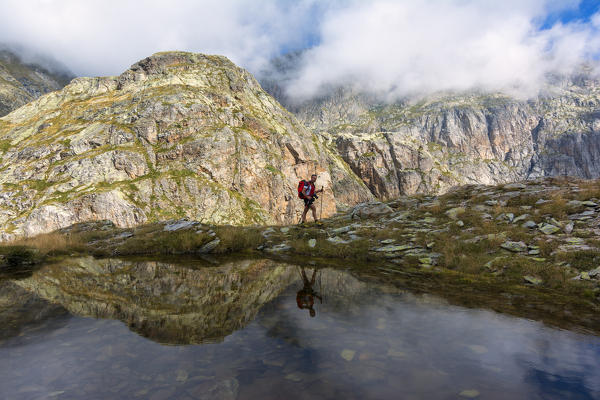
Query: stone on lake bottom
<point x="294" y="377"/>
<point x="182" y="376"/>
<point x="475" y="348"/>
<point x="470" y="393"/>
<point x="347" y="354"/>
<point x="395" y="353"/>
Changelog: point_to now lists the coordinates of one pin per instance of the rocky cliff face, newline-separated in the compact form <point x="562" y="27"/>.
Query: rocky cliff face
<point x="22" y="82"/>
<point x="442" y="141"/>
<point x="176" y="135"/>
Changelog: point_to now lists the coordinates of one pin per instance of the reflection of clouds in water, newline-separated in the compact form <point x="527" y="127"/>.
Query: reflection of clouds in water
<point x="528" y="357"/>
<point x="366" y="340"/>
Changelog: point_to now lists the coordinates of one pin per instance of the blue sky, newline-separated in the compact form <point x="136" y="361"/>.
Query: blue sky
<point x="582" y="12"/>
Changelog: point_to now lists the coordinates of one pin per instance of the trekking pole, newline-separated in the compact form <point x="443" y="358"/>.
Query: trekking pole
<point x="321" y="212"/>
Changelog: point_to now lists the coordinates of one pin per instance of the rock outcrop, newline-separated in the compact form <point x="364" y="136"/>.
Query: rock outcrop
<point x="177" y="135"/>
<point x="22" y="82"/>
<point x="431" y="145"/>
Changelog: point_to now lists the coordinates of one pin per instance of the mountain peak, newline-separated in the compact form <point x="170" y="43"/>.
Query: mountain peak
<point x="177" y="135"/>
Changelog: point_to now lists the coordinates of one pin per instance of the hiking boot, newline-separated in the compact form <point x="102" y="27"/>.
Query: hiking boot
<point x="318" y="223"/>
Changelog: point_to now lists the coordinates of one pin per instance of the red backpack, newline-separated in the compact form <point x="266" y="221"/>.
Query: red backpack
<point x="301" y="185"/>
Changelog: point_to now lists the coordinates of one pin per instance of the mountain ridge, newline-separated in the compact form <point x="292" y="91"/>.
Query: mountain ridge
<point x="176" y="135"/>
<point x="22" y="82"/>
<point x="431" y="144"/>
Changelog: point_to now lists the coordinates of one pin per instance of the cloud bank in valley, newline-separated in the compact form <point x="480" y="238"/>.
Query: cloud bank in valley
<point x="390" y="47"/>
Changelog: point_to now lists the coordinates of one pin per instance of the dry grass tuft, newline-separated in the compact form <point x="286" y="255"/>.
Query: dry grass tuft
<point x="237" y="239"/>
<point x="51" y="243"/>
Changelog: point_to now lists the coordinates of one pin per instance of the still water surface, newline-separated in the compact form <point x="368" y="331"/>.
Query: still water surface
<point x="110" y="329"/>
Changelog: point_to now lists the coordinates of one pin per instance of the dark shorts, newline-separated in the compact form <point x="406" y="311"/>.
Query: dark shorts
<point x="308" y="203"/>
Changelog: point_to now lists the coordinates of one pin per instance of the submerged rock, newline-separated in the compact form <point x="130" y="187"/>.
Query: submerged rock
<point x="348" y="354"/>
<point x="469" y="393"/>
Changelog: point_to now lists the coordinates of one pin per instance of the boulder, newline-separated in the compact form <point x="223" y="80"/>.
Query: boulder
<point x="370" y="210"/>
<point x="515" y="247"/>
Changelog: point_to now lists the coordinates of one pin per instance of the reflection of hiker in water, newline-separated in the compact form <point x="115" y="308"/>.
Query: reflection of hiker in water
<point x="305" y="296"/>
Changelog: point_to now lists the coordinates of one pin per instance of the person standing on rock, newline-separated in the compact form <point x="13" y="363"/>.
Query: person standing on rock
<point x="307" y="192"/>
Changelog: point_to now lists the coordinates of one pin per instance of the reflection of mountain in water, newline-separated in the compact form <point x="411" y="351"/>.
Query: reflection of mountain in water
<point x="168" y="303"/>
<point x="21" y="310"/>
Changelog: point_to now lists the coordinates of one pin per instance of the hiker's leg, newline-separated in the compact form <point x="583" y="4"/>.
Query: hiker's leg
<point x="304" y="214"/>
<point x="314" y="211"/>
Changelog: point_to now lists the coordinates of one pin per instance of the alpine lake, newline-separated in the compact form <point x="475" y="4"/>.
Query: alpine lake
<point x="85" y="328"/>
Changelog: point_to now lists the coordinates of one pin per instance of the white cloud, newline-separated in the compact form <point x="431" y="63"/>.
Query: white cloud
<point x="413" y="47"/>
<point x="396" y="47"/>
<point x="104" y="37"/>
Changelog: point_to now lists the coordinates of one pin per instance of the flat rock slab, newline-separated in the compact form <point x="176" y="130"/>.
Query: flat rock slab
<point x="532" y="280"/>
<point x="210" y="246"/>
<point x="549" y="229"/>
<point x="515" y="247"/>
<point x="394" y="248"/>
<point x="337" y="240"/>
<point x="178" y="225"/>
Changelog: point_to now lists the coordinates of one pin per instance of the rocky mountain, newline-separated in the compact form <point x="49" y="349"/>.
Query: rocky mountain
<point x="431" y="144"/>
<point x="176" y="135"/>
<point x="22" y="82"/>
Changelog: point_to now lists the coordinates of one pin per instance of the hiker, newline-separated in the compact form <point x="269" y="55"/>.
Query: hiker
<point x="307" y="192"/>
<point x="305" y="297"/>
